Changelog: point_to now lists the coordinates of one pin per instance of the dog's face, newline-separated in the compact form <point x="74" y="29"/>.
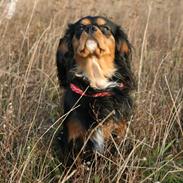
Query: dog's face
<point x="94" y="43"/>
<point x="94" y="50"/>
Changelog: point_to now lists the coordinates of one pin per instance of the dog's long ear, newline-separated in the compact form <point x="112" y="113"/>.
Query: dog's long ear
<point x="124" y="57"/>
<point x="63" y="57"/>
<point x="123" y="46"/>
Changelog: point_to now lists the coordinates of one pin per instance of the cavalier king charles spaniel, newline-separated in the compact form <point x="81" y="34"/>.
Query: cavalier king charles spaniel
<point x="93" y="64"/>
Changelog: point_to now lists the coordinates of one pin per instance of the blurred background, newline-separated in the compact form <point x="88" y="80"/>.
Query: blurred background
<point x="30" y="98"/>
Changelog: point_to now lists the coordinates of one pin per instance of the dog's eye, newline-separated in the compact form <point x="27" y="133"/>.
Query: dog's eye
<point x="79" y="30"/>
<point x="106" y="30"/>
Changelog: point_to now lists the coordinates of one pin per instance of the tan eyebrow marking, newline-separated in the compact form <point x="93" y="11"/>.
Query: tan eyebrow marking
<point x="100" y="21"/>
<point x="86" y="21"/>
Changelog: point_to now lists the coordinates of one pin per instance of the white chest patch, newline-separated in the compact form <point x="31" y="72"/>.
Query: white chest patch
<point x="98" y="141"/>
<point x="97" y="77"/>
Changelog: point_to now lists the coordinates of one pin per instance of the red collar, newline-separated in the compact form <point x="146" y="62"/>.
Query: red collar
<point x="79" y="91"/>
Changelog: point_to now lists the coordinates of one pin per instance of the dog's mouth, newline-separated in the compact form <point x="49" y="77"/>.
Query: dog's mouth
<point x="90" y="46"/>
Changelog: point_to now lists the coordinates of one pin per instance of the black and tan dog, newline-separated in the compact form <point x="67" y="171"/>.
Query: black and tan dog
<point x="93" y="63"/>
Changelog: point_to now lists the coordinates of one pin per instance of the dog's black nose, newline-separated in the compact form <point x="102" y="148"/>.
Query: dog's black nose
<point x="90" y="29"/>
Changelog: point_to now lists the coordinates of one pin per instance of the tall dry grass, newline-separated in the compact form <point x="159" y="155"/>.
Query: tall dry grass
<point x="30" y="99"/>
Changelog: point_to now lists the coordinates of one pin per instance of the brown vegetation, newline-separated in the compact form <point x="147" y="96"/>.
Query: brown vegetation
<point x="30" y="108"/>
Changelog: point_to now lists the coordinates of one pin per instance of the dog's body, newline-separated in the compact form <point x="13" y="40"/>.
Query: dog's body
<point x="93" y="62"/>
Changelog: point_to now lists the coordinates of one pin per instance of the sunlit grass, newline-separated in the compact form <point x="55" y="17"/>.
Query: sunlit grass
<point x="30" y="98"/>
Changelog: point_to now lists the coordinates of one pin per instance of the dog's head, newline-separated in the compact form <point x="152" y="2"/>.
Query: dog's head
<point x="94" y="48"/>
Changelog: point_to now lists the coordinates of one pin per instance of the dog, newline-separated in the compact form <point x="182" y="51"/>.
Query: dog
<point x="94" y="68"/>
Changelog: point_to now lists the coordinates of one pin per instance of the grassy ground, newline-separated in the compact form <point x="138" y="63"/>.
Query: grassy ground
<point x="30" y="107"/>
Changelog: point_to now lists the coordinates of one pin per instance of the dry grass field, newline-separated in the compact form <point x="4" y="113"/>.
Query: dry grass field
<point x="30" y="98"/>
